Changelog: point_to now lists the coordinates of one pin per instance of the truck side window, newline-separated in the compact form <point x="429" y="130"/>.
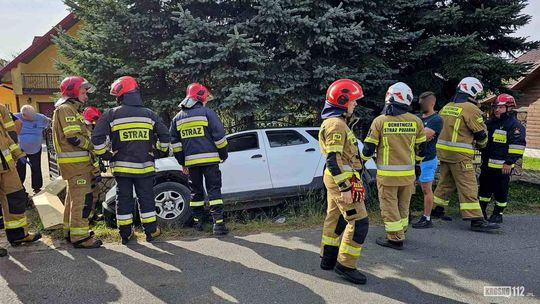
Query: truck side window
<point x="243" y="142"/>
<point x="283" y="138"/>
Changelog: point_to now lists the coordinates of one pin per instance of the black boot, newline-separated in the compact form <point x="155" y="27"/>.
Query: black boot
<point x="483" y="206"/>
<point x="220" y="229"/>
<point x="197" y="224"/>
<point x="29" y="238"/>
<point x="497" y="216"/>
<point x="383" y="241"/>
<point x="483" y="226"/>
<point x="150" y="237"/>
<point x="350" y="274"/>
<point x="126" y="238"/>
<point x="329" y="257"/>
<point x="438" y="212"/>
<point x="423" y="223"/>
<point x="3" y="252"/>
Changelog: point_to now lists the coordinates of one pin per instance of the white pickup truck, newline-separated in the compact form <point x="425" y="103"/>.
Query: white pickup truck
<point x="264" y="166"/>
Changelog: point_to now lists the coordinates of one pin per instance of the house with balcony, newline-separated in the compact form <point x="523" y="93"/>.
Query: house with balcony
<point x="32" y="78"/>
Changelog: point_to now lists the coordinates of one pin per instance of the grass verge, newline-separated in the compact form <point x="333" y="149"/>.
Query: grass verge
<point x="306" y="212"/>
<point x="531" y="163"/>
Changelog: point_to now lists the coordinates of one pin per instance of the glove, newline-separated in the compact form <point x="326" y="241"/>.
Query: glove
<point x="358" y="191"/>
<point x="106" y="156"/>
<point x="417" y="171"/>
<point x="23" y="161"/>
<point x="223" y="155"/>
<point x="102" y="167"/>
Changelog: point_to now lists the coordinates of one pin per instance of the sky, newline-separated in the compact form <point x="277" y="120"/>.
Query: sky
<point x="21" y="20"/>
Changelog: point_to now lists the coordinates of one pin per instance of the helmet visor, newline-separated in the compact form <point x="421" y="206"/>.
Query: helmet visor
<point x="88" y="86"/>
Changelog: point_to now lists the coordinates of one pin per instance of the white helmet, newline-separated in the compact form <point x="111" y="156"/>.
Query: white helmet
<point x="471" y="86"/>
<point x="400" y="93"/>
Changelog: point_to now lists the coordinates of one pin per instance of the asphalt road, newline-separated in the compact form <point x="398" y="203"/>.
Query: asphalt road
<point x="448" y="264"/>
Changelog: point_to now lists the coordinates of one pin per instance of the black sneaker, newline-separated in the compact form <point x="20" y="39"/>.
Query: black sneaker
<point x="3" y="252"/>
<point x="496" y="218"/>
<point x="350" y="274"/>
<point x="220" y="229"/>
<point x="383" y="241"/>
<point x="423" y="223"/>
<point x="483" y="226"/>
<point x="438" y="212"/>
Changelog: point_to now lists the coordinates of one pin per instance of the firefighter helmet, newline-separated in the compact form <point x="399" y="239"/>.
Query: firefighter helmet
<point x="71" y="87"/>
<point x="123" y="85"/>
<point x="195" y="93"/>
<point x="400" y="93"/>
<point x="471" y="86"/>
<point x="505" y="100"/>
<point x="91" y="115"/>
<point x="342" y="91"/>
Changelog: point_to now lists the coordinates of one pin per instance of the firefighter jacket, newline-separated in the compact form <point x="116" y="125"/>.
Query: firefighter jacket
<point x="11" y="151"/>
<point x="134" y="131"/>
<point x="71" y="141"/>
<point x="463" y="129"/>
<point x="399" y="141"/>
<point x="7" y="120"/>
<point x="340" y="147"/>
<point x="198" y="137"/>
<point x="506" y="142"/>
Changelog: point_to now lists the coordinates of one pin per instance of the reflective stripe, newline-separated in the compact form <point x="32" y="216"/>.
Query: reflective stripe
<point x="14" y="147"/>
<point x="469" y="206"/>
<point x="386" y="150"/>
<point x="405" y="222"/>
<point x="516" y="149"/>
<point x="16" y="223"/>
<point x="351" y="137"/>
<point x="190" y="119"/>
<point x="371" y="140"/>
<point x="350" y="250"/>
<point x="100" y="151"/>
<point x="219" y="221"/>
<point x="133" y="125"/>
<point x="393" y="226"/>
<point x="395" y="173"/>
<point x="125" y="222"/>
<point x="222" y="143"/>
<point x="196" y="203"/>
<point x="177" y="147"/>
<point x="202" y="158"/>
<point x="485" y="199"/>
<point x="420" y="139"/>
<point x="338" y="179"/>
<point x="73" y="157"/>
<point x="7" y="155"/>
<point x="333" y="148"/>
<point x="146" y="220"/>
<point x="330" y="241"/>
<point x="9" y="124"/>
<point x="455" y="131"/>
<point x="125" y="120"/>
<point x="148" y="214"/>
<point x="215" y="202"/>
<point x="497" y="163"/>
<point x="101" y="146"/>
<point x="72" y="129"/>
<point x="78" y="231"/>
<point x="366" y="158"/>
<point x="133" y="170"/>
<point x="502" y="204"/>
<point x="455" y="146"/>
<point x="124" y="216"/>
<point x="440" y="201"/>
<point x="132" y="165"/>
<point x="419" y="158"/>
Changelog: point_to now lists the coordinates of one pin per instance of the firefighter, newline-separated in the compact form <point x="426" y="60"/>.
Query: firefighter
<point x="346" y="215"/>
<point x="91" y="115"/>
<point x="506" y="145"/>
<point x="134" y="132"/>
<point x="9" y="123"/>
<point x="12" y="195"/>
<point x="399" y="140"/>
<point x="73" y="151"/>
<point x="199" y="144"/>
<point x="463" y="130"/>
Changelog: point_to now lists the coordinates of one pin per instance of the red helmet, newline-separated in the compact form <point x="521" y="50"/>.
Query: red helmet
<point x="71" y="86"/>
<point x="505" y="100"/>
<point x="342" y="91"/>
<point x="91" y="114"/>
<point x="123" y="85"/>
<point x="196" y="92"/>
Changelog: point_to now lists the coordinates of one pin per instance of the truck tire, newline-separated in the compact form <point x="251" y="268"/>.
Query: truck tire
<point x="172" y="204"/>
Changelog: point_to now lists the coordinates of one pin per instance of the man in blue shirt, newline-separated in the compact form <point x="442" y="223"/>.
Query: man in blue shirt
<point x="433" y="124"/>
<point x="30" y="140"/>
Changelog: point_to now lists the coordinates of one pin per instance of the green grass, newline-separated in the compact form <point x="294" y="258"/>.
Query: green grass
<point x="531" y="163"/>
<point x="305" y="212"/>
